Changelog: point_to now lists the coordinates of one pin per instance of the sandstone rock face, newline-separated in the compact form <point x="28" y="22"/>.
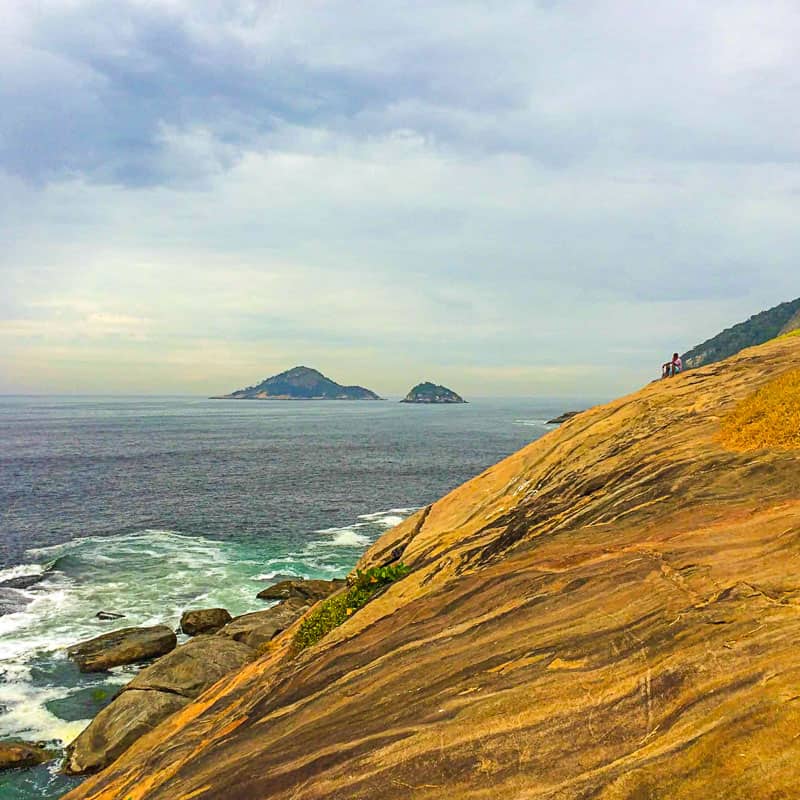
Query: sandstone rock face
<point x="154" y="694"/>
<point x="125" y="646"/>
<point x="204" y="620"/>
<point x="260" y="627"/>
<point x="310" y="591"/>
<point x="22" y="754"/>
<point x="611" y="613"/>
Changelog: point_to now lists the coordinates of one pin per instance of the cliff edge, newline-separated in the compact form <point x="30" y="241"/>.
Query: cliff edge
<point x="612" y="612"/>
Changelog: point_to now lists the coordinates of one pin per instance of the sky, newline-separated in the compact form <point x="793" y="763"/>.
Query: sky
<point x="511" y="198"/>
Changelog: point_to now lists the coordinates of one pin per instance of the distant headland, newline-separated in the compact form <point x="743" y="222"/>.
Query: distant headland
<point x="300" y="383"/>
<point x="432" y="393"/>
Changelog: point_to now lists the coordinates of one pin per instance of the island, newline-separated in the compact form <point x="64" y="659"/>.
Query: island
<point x="432" y="393"/>
<point x="300" y="383"/>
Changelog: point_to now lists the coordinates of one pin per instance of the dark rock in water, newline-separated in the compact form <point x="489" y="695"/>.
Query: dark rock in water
<point x="563" y="417"/>
<point x="301" y="590"/>
<point x="204" y="620"/>
<point x="11" y="601"/>
<point x="22" y="582"/>
<point x="156" y="692"/>
<point x="108" y="615"/>
<point x="125" y="646"/>
<point x="22" y="754"/>
<point x="260" y="627"/>
<point x="133" y="714"/>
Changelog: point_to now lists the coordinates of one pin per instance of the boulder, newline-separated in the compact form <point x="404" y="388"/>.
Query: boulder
<point x="22" y="754"/>
<point x="191" y="668"/>
<point x="310" y="591"/>
<point x="125" y="646"/>
<point x="154" y="694"/>
<point x="204" y="620"/>
<point x="260" y="627"/>
<point x="131" y="715"/>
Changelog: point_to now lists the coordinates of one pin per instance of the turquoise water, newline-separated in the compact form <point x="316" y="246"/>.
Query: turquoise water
<point x="148" y="506"/>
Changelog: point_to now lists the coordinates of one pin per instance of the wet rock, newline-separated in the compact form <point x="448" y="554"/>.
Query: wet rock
<point x="125" y="646"/>
<point x="260" y="627"/>
<point x="22" y="581"/>
<point x="105" y="615"/>
<point x="563" y="417"/>
<point x="131" y="715"/>
<point x="22" y="754"/>
<point x="204" y="620"/>
<point x="191" y="668"/>
<point x="310" y="591"/>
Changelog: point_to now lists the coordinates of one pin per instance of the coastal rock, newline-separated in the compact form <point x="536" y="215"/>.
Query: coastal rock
<point x="563" y="417"/>
<point x="125" y="646"/>
<point x="432" y="393"/>
<point x="132" y="714"/>
<point x="156" y="692"/>
<point x="108" y="615"/>
<point x="309" y="591"/>
<point x="191" y="668"/>
<point x="204" y="620"/>
<point x="260" y="627"/>
<point x="610" y="613"/>
<point x="22" y="754"/>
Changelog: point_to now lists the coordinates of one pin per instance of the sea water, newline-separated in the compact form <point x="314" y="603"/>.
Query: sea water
<point x="145" y="507"/>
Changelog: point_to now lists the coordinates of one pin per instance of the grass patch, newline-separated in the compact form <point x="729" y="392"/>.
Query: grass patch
<point x="769" y="418"/>
<point x="335" y="610"/>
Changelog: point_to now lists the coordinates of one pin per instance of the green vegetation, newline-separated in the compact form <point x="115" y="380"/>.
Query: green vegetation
<point x="335" y="610"/>
<point x="756" y="330"/>
<point x="769" y="418"/>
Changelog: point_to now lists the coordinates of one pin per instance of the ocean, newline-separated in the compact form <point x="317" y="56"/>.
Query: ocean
<point x="148" y="506"/>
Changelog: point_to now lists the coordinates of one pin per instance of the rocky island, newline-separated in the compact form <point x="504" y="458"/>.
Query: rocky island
<point x="612" y="612"/>
<point x="432" y="393"/>
<point x="300" y="383"/>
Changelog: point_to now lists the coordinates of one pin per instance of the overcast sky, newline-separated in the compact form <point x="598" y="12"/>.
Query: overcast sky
<point x="511" y="198"/>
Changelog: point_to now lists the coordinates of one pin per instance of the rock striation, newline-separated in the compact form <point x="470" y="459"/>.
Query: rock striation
<point x="300" y="383"/>
<point x="432" y="393"/>
<point x="611" y="613"/>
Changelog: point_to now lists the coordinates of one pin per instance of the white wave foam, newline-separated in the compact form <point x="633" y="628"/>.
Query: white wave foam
<point x="347" y="537"/>
<point x="21" y="571"/>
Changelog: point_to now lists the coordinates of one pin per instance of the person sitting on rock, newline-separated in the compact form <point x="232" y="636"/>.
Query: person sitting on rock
<point x="672" y="367"/>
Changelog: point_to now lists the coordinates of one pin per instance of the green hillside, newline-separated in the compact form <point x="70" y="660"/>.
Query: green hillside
<point x="758" y="329"/>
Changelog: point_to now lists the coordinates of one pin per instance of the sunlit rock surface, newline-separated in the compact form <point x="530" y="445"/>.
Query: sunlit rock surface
<point x="612" y="612"/>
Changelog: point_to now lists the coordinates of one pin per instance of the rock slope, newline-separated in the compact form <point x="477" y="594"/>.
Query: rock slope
<point x="613" y="612"/>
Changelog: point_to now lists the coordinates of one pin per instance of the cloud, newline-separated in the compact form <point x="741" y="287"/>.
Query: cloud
<point x="488" y="191"/>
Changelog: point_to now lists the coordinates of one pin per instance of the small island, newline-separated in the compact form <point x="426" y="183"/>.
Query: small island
<point x="432" y="393"/>
<point x="300" y="383"/>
